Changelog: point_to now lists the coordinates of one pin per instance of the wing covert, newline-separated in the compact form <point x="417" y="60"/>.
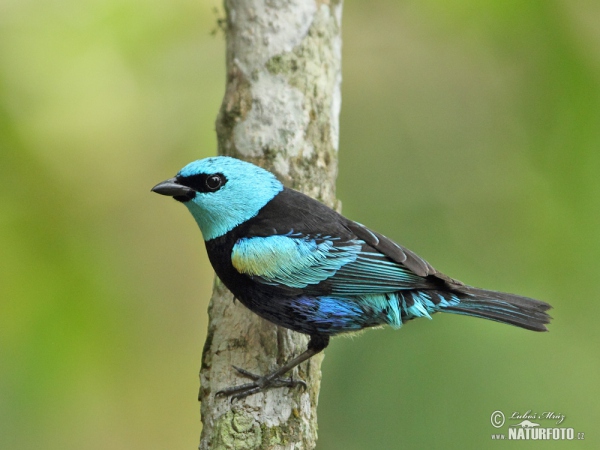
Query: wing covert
<point x="322" y="265"/>
<point x="294" y="262"/>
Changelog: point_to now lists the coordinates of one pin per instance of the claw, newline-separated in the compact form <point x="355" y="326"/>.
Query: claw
<point x="272" y="380"/>
<point x="258" y="385"/>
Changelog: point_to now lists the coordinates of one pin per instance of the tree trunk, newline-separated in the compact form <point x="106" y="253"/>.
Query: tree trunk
<point x="280" y="111"/>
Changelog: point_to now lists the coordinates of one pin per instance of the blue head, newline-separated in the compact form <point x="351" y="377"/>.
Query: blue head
<point x="221" y="192"/>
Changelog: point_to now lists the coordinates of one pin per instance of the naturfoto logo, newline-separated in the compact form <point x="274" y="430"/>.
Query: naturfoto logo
<point x="529" y="427"/>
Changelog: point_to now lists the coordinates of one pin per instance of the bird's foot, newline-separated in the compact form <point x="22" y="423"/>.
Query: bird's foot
<point x="259" y="384"/>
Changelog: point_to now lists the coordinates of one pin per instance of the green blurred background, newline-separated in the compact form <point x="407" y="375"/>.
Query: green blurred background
<point x="470" y="132"/>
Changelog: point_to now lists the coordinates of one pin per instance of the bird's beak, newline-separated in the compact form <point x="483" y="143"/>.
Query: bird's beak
<point x="172" y="188"/>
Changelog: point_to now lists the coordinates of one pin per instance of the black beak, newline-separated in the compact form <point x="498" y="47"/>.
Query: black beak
<point x="172" y="188"/>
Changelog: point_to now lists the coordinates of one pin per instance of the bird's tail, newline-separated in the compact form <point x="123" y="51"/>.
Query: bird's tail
<point x="513" y="309"/>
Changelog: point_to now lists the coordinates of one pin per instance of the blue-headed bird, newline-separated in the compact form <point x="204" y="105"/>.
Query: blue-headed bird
<point x="303" y="266"/>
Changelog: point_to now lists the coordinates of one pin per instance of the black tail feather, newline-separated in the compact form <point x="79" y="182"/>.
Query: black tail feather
<point x="513" y="309"/>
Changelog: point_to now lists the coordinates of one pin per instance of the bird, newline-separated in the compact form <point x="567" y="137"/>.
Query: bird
<point x="301" y="265"/>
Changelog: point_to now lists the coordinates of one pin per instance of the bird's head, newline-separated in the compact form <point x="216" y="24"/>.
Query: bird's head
<point x="221" y="192"/>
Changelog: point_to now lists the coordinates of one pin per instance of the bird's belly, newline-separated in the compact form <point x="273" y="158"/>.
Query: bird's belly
<point x="312" y="314"/>
<point x="294" y="309"/>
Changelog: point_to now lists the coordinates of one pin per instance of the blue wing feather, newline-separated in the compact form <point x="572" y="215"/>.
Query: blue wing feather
<point x="295" y="262"/>
<point x="347" y="268"/>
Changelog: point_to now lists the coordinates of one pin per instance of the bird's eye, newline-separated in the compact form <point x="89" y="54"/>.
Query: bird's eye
<point x="214" y="182"/>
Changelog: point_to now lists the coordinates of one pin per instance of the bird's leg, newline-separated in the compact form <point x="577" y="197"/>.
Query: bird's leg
<point x="316" y="345"/>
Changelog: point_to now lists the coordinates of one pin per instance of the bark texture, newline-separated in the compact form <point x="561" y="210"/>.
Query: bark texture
<point x="280" y="111"/>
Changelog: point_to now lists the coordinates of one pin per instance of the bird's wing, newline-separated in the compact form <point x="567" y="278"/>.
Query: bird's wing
<point x="322" y="265"/>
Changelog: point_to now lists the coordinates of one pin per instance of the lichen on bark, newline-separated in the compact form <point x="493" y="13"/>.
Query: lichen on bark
<point x="281" y="111"/>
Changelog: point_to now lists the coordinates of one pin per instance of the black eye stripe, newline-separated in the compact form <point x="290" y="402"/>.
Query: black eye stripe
<point x="204" y="182"/>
